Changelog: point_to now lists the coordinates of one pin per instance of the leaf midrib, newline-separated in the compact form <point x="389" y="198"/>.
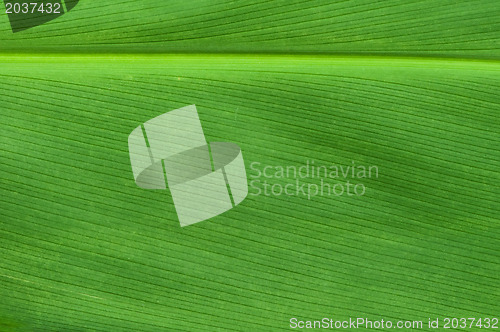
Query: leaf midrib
<point x="254" y="59"/>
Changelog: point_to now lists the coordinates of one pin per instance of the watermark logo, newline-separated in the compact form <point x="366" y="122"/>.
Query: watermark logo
<point x="205" y="179"/>
<point x="310" y="179"/>
<point x="25" y="14"/>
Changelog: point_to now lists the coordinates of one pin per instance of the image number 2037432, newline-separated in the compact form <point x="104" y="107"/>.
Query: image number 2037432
<point x="25" y="14"/>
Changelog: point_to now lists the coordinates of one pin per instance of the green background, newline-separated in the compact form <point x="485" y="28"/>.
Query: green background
<point x="411" y="87"/>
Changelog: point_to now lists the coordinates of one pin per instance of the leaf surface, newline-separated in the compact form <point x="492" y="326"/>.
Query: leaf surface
<point x="411" y="88"/>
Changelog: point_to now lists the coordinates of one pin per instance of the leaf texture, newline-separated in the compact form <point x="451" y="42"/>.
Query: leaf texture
<point x="425" y="28"/>
<point x="411" y="87"/>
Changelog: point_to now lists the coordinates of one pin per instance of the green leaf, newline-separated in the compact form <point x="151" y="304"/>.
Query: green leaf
<point x="408" y="87"/>
<point x="425" y="28"/>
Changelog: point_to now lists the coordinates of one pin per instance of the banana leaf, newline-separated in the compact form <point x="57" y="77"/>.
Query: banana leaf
<point x="408" y="88"/>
